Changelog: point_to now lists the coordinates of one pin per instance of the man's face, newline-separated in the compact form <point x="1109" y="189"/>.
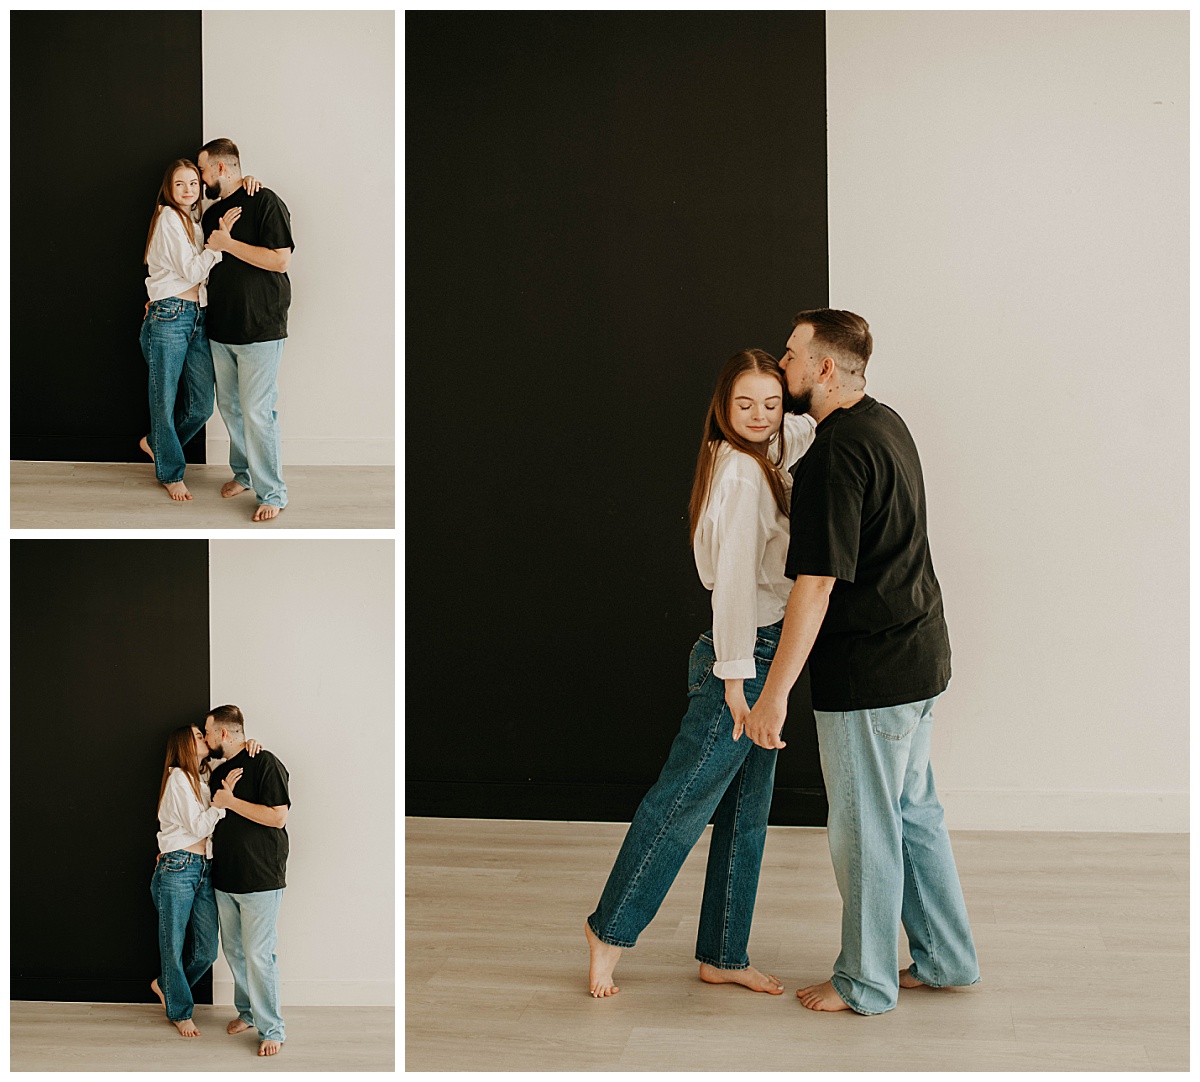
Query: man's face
<point x="210" y="173"/>
<point x="212" y="734"/>
<point x="799" y="367"/>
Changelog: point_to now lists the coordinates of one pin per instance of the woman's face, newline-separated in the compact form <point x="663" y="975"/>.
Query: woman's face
<point x="201" y="745"/>
<point x="185" y="187"/>
<point x="756" y="406"/>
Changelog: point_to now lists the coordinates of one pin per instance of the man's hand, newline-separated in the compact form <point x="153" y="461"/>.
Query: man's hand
<point x="765" y="722"/>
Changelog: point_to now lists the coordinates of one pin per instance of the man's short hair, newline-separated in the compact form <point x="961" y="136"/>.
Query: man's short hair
<point x="224" y="150"/>
<point x="845" y="336"/>
<point x="228" y="717"/>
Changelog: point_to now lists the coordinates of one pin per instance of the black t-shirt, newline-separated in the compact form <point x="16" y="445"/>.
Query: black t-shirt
<point x="247" y="303"/>
<point x="248" y="856"/>
<point x="858" y="514"/>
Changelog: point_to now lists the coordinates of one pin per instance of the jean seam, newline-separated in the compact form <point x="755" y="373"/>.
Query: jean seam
<point x="668" y="819"/>
<point x="733" y="833"/>
<point x="921" y="902"/>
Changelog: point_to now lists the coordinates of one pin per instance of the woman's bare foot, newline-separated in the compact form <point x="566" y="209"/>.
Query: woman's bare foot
<point x="158" y="992"/>
<point x="269" y="1048"/>
<point x="187" y="1027"/>
<point x="232" y="488"/>
<point x="177" y="490"/>
<point x="749" y="978"/>
<point x="264" y="512"/>
<point x="604" y="959"/>
<point x="907" y="980"/>
<point x="145" y="446"/>
<point x="822" y="997"/>
<point x="237" y="1026"/>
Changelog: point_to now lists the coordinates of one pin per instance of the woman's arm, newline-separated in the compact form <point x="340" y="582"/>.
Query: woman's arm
<point x="798" y="432"/>
<point x="172" y="248"/>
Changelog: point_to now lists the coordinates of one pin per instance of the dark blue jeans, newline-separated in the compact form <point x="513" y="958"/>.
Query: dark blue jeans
<point x="706" y="772"/>
<point x="175" y="345"/>
<point x="187" y="926"/>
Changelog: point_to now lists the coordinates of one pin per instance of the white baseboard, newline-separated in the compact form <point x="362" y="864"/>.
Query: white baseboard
<point x="319" y="993"/>
<point x="980" y="809"/>
<point x="319" y="452"/>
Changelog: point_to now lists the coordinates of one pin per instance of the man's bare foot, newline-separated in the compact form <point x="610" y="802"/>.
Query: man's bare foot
<point x="232" y="488"/>
<point x="749" y="978"/>
<point x="177" y="490"/>
<point x="269" y="1048"/>
<point x="145" y="446"/>
<point x="158" y="992"/>
<point x="187" y="1027"/>
<point x="822" y="997"/>
<point x="604" y="958"/>
<point x="237" y="1026"/>
<point x="907" y="980"/>
<point x="264" y="512"/>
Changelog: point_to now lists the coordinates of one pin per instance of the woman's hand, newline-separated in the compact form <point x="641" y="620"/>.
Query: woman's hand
<point x="222" y="796"/>
<point x="735" y="699"/>
<point x="253" y="747"/>
<point x="251" y="185"/>
<point x="219" y="238"/>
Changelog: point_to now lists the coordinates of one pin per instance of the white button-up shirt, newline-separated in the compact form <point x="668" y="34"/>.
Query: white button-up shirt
<point x="183" y="820"/>
<point x="741" y="546"/>
<point x="175" y="263"/>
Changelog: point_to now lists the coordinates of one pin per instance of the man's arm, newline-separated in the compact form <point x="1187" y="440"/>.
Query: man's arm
<point x="806" y="608"/>
<point x="269" y="259"/>
<point x="256" y="813"/>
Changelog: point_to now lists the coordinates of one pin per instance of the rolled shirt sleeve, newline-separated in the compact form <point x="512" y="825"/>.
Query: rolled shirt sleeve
<point x="738" y="544"/>
<point x="182" y="810"/>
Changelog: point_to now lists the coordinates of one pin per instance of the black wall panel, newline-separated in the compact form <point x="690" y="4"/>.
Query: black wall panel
<point x="109" y="652"/>
<point x="101" y="102"/>
<point x="601" y="208"/>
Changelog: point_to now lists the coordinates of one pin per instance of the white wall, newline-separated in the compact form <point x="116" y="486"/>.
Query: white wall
<point x="302" y="639"/>
<point x="1009" y="209"/>
<point x="309" y="98"/>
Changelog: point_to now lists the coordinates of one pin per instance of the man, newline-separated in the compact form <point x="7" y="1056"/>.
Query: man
<point x="250" y="849"/>
<point x="866" y="611"/>
<point x="248" y="297"/>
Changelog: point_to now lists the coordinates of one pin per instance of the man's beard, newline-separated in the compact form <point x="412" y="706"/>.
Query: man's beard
<point x="801" y="403"/>
<point x="212" y="192"/>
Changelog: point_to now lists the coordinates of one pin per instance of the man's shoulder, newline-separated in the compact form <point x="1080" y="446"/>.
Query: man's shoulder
<point x="266" y="760"/>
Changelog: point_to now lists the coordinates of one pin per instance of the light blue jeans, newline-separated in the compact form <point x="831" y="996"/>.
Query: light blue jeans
<point x="247" y="390"/>
<point x="706" y="776"/>
<point x="248" y="940"/>
<point x="891" y="856"/>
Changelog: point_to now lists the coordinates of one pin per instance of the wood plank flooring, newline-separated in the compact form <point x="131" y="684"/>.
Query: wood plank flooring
<point x="121" y="495"/>
<point x="137" y="1037"/>
<point x="1082" y="941"/>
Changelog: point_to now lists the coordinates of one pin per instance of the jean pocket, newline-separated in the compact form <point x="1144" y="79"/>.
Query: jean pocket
<point x="164" y="313"/>
<point x="172" y="864"/>
<point x="896" y="722"/>
<point x="700" y="665"/>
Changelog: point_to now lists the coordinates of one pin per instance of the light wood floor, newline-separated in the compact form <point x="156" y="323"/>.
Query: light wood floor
<point x="1082" y="941"/>
<point x="137" y="1037"/>
<point x="121" y="495"/>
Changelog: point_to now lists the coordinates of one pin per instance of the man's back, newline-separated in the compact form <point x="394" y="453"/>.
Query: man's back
<point x="858" y="514"/>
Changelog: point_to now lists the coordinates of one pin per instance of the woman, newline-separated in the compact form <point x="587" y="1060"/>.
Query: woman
<point x="173" y="339"/>
<point x="739" y="524"/>
<point x="182" y="882"/>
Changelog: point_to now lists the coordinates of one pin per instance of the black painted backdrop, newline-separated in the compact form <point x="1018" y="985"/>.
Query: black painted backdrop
<point x="601" y="208"/>
<point x="101" y="102"/>
<point x="109" y="652"/>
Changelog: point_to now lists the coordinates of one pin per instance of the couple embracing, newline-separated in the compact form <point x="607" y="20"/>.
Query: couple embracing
<point x="219" y="297"/>
<point x="223" y="847"/>
<point x="810" y="531"/>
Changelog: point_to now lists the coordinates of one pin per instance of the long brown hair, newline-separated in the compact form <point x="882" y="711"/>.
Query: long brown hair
<point x="718" y="429"/>
<point x="181" y="752"/>
<point x="166" y="198"/>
